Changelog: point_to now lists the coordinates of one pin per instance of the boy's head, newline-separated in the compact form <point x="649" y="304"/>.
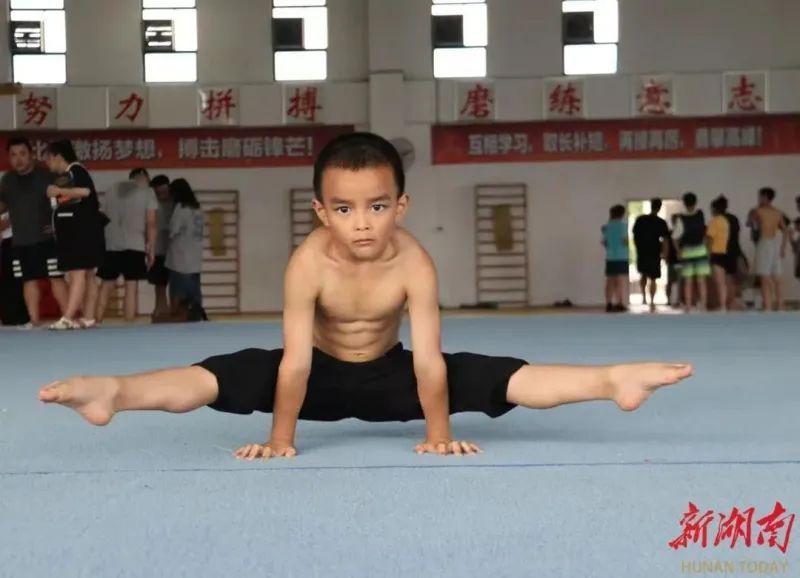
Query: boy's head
<point x="719" y="206"/>
<point x="160" y="184"/>
<point x="766" y="195"/>
<point x="617" y="212"/>
<point x="359" y="192"/>
<point x="690" y="201"/>
<point x="140" y="176"/>
<point x="655" y="206"/>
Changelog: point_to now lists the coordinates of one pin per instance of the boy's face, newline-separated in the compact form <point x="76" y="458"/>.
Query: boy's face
<point x="361" y="209"/>
<point x="763" y="200"/>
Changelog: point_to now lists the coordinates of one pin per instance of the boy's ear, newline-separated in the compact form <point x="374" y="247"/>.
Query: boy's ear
<point x="402" y="204"/>
<point x="319" y="210"/>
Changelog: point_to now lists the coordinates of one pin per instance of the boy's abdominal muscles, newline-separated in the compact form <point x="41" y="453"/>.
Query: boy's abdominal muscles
<point x="357" y="340"/>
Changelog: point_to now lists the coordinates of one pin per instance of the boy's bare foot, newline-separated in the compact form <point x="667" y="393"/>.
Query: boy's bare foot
<point x="631" y="384"/>
<point x="92" y="397"/>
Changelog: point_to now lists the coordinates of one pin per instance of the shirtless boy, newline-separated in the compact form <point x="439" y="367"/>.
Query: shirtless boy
<point x="345" y="293"/>
<point x="773" y="238"/>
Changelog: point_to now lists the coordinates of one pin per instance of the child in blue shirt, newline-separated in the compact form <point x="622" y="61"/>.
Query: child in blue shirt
<point x="615" y="240"/>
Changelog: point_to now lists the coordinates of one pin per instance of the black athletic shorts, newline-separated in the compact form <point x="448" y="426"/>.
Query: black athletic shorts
<point x="80" y="240"/>
<point x="384" y="389"/>
<point x="649" y="266"/>
<point x="720" y="260"/>
<point x="615" y="268"/>
<point x="38" y="261"/>
<point x="131" y="265"/>
<point x="158" y="274"/>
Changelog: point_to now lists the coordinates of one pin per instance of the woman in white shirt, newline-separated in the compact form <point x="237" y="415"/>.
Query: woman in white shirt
<point x="185" y="252"/>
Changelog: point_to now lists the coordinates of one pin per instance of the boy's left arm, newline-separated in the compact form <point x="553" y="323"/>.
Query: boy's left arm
<point x="429" y="364"/>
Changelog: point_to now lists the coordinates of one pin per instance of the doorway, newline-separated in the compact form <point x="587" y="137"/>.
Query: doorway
<point x="636" y="208"/>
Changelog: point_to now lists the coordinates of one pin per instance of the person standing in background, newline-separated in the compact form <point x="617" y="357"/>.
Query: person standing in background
<point x="23" y="193"/>
<point x="718" y="234"/>
<point x="78" y="225"/>
<point x="773" y="237"/>
<point x="185" y="252"/>
<point x="690" y="236"/>
<point x="615" y="240"/>
<point x="650" y="234"/>
<point x="158" y="276"/>
<point x="130" y="240"/>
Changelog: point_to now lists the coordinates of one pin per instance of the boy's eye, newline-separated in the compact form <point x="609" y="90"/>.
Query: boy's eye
<point x="342" y="210"/>
<point x="378" y="207"/>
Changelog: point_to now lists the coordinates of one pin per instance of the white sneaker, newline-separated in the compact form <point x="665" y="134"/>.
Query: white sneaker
<point x="26" y="327"/>
<point x="87" y="323"/>
<point x="64" y="324"/>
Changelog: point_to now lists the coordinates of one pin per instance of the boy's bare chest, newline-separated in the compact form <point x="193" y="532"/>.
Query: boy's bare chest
<point x="365" y="296"/>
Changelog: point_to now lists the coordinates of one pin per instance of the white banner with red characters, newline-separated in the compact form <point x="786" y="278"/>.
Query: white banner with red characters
<point x="475" y="101"/>
<point x="192" y="148"/>
<point x="303" y="104"/>
<point x="563" y="99"/>
<point x="36" y="109"/>
<point x="745" y="92"/>
<point x="218" y="106"/>
<point x="654" y="96"/>
<point x="128" y="107"/>
<point x="650" y="138"/>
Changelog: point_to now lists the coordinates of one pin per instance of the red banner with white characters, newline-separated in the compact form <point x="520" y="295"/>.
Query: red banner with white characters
<point x="645" y="138"/>
<point x="191" y="148"/>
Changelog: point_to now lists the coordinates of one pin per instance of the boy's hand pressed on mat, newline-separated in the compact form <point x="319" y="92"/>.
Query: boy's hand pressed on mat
<point x="447" y="447"/>
<point x="266" y="451"/>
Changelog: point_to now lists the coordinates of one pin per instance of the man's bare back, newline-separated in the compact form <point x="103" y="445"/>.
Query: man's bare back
<point x="359" y="307"/>
<point x="770" y="221"/>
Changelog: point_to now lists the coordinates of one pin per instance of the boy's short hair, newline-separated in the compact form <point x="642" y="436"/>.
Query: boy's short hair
<point x="63" y="149"/>
<point x="718" y="205"/>
<point x="655" y="205"/>
<point x="767" y="192"/>
<point x="690" y="200"/>
<point x="356" y="151"/>
<point x="17" y="141"/>
<point x="617" y="211"/>
<point x="159" y="180"/>
<point x="797" y="222"/>
<point x="722" y="203"/>
<point x="137" y="172"/>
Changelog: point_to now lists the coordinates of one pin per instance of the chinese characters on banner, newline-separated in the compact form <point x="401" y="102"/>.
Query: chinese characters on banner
<point x="563" y="99"/>
<point x="303" y="104"/>
<point x="745" y="93"/>
<point x="218" y="106"/>
<point x="620" y="139"/>
<point x="743" y="528"/>
<point x="207" y="148"/>
<point x="36" y="109"/>
<point x="654" y="96"/>
<point x="475" y="101"/>
<point x="127" y="107"/>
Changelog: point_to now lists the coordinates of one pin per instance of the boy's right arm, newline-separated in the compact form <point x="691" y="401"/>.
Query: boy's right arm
<point x="300" y="296"/>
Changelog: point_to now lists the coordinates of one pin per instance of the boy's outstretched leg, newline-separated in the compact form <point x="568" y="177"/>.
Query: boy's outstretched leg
<point x="628" y="385"/>
<point x="97" y="399"/>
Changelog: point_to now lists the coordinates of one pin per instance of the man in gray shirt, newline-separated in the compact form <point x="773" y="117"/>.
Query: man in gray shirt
<point x="23" y="193"/>
<point x="130" y="239"/>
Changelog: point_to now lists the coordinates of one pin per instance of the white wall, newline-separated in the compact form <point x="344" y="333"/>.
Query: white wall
<point x="691" y="35"/>
<point x="99" y="53"/>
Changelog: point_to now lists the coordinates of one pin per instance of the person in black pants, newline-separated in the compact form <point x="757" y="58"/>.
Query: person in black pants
<point x="78" y="225"/>
<point x="12" y="300"/>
